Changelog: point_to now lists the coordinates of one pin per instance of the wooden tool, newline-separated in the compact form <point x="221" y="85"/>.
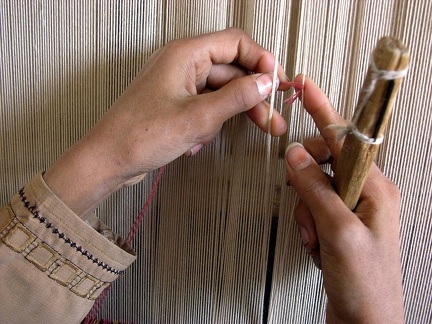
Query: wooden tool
<point x="388" y="64"/>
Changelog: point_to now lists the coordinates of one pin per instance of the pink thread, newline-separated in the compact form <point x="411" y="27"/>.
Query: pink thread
<point x="92" y="315"/>
<point x="298" y="87"/>
<point x="140" y="217"/>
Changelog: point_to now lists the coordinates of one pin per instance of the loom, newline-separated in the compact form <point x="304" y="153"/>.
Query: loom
<point x="214" y="246"/>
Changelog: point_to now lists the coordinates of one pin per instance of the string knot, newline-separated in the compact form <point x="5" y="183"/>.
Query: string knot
<point x="342" y="130"/>
<point x="298" y="88"/>
<point x="375" y="75"/>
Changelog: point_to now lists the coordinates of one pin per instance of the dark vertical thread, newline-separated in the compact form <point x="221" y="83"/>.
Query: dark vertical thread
<point x="384" y="108"/>
<point x="270" y="265"/>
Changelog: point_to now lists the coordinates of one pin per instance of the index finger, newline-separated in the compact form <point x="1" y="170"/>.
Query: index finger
<point x="322" y="112"/>
<point x="234" y="45"/>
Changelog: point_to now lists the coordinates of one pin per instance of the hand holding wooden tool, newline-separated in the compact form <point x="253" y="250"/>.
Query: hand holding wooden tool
<point x="388" y="65"/>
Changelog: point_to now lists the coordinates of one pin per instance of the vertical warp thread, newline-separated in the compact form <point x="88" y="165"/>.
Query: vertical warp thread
<point x="45" y="110"/>
<point x="132" y="232"/>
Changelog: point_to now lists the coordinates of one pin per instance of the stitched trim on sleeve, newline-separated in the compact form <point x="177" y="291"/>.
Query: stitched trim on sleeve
<point x="61" y="236"/>
<point x="21" y="239"/>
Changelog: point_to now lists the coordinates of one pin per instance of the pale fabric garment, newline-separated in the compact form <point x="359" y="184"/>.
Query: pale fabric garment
<point x="204" y="246"/>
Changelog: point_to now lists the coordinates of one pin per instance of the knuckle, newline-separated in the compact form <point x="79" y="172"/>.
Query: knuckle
<point x="393" y="189"/>
<point x="235" y="34"/>
<point x="317" y="186"/>
<point x="348" y="239"/>
<point x="198" y="124"/>
<point x="383" y="194"/>
<point x="387" y="191"/>
<point x="240" y="96"/>
<point x="392" y="195"/>
<point x="235" y="30"/>
<point x="174" y="44"/>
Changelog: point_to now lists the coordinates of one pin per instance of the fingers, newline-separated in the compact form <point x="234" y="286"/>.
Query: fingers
<point x="315" y="190"/>
<point x="306" y="225"/>
<point x="235" y="97"/>
<point x="322" y="112"/>
<point x="221" y="74"/>
<point x="234" y="45"/>
<point x="194" y="150"/>
<point x="308" y="233"/>
<point x="260" y="115"/>
<point x="220" y="62"/>
<point x="319" y="150"/>
<point x="379" y="202"/>
<point x="318" y="106"/>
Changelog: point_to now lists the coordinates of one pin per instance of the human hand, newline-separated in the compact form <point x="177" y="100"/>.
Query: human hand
<point x="359" y="250"/>
<point x="176" y="104"/>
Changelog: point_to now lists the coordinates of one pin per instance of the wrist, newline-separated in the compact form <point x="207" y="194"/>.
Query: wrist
<point x="374" y="312"/>
<point x="82" y="178"/>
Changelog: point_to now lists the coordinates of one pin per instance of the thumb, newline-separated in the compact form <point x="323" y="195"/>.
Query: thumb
<point x="240" y="95"/>
<point x="314" y="189"/>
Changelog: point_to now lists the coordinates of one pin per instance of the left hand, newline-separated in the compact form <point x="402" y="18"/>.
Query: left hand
<point x="176" y="104"/>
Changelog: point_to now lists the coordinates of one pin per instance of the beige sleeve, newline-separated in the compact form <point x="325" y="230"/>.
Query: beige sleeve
<point x="53" y="265"/>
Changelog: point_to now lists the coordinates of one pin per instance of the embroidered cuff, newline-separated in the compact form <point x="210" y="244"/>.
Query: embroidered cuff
<point x="56" y="241"/>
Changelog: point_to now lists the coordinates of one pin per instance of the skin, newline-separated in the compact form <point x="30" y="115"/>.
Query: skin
<point x="359" y="251"/>
<point x="179" y="102"/>
<point x="174" y="106"/>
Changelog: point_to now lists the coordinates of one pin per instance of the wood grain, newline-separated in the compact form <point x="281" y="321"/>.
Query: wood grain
<point x="370" y="118"/>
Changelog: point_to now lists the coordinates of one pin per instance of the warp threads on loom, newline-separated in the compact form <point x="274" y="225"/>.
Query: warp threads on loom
<point x="92" y="315"/>
<point x="138" y="220"/>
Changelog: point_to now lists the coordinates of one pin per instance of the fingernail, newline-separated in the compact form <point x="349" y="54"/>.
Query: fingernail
<point x="317" y="261"/>
<point x="277" y="83"/>
<point x="194" y="150"/>
<point x="264" y="83"/>
<point x="304" y="235"/>
<point x="292" y="145"/>
<point x="287" y="174"/>
<point x="315" y="254"/>
<point x="296" y="157"/>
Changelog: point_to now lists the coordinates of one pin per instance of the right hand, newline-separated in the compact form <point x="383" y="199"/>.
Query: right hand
<point x="359" y="251"/>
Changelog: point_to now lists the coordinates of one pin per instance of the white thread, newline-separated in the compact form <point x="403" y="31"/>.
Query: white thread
<point x="375" y="75"/>
<point x="275" y="84"/>
<point x="378" y="74"/>
<point x="305" y="27"/>
<point x="342" y="130"/>
<point x="275" y="69"/>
